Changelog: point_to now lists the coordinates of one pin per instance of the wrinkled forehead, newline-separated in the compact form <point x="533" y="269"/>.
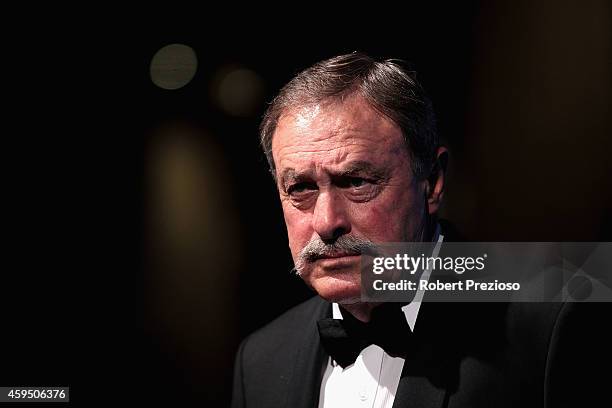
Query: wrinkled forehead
<point x="332" y="133"/>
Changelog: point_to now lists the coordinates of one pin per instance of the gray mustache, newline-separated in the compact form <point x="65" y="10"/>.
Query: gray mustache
<point x="344" y="245"/>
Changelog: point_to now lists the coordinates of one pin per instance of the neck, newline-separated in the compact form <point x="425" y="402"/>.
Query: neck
<point x="361" y="311"/>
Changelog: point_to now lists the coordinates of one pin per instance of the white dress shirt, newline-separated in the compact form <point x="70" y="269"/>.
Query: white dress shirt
<point x="373" y="379"/>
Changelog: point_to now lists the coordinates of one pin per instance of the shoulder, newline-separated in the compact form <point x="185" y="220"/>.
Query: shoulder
<point x="294" y="319"/>
<point x="286" y="331"/>
<point x="266" y="361"/>
<point x="578" y="352"/>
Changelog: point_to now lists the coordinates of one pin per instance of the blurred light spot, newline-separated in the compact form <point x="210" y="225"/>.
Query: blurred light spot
<point x="239" y="91"/>
<point x="173" y="66"/>
<point x="194" y="248"/>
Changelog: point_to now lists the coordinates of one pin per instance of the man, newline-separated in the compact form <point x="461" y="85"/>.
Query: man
<point x="353" y="149"/>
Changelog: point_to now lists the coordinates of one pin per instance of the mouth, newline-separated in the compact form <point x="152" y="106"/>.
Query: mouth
<point x="338" y="261"/>
<point x="337" y="255"/>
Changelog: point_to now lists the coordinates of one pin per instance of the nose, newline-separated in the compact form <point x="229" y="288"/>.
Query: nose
<point x="330" y="219"/>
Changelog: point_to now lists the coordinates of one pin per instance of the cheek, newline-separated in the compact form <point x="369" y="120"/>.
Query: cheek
<point x="393" y="218"/>
<point x="377" y="223"/>
<point x="299" y="228"/>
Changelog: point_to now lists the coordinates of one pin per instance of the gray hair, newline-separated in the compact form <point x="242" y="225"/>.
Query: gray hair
<point x="388" y="86"/>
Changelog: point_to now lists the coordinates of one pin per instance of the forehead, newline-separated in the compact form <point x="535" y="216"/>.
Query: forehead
<point x="336" y="132"/>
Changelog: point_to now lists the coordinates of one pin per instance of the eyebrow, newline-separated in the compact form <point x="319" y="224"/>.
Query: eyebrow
<point x="291" y="175"/>
<point x="362" y="167"/>
<point x="354" y="168"/>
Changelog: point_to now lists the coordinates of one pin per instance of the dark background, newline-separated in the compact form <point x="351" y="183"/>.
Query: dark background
<point x="144" y="234"/>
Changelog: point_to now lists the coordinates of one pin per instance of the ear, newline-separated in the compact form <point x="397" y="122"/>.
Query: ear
<point x="437" y="180"/>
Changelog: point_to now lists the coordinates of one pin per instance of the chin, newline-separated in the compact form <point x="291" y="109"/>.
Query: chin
<point x="338" y="290"/>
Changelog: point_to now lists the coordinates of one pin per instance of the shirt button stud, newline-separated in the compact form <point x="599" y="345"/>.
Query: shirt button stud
<point x="363" y="395"/>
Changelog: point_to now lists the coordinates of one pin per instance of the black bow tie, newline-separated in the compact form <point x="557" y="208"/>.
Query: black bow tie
<point x="344" y="339"/>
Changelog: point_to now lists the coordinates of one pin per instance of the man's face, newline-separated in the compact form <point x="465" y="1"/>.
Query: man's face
<point x="343" y="171"/>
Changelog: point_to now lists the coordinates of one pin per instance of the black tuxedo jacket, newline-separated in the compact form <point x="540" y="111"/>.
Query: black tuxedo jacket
<point x="464" y="355"/>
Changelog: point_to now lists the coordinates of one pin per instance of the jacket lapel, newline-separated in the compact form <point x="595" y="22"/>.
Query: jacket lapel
<point x="431" y="368"/>
<point x="418" y="391"/>
<point x="305" y="382"/>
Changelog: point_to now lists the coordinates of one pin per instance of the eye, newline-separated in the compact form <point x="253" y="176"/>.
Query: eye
<point x="359" y="189"/>
<point x="352" y="182"/>
<point x="300" y="188"/>
<point x="356" y="182"/>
